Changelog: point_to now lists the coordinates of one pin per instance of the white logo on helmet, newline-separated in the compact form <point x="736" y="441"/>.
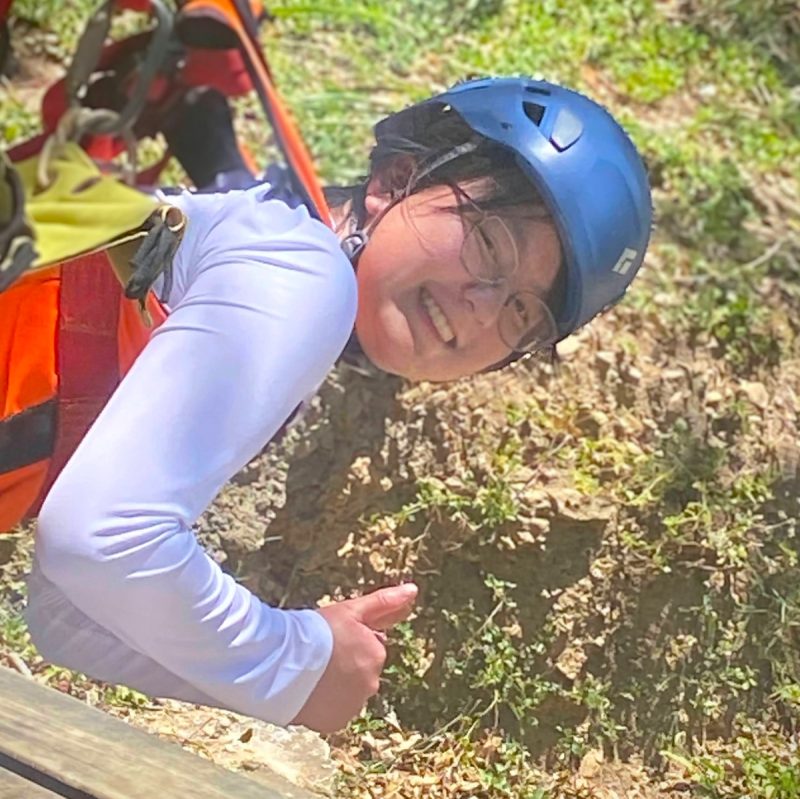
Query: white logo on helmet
<point x="625" y="261"/>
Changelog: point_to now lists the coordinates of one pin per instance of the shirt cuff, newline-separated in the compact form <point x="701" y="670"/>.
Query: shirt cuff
<point x="311" y="653"/>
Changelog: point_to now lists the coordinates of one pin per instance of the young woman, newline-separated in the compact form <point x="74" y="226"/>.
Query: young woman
<point x="497" y="218"/>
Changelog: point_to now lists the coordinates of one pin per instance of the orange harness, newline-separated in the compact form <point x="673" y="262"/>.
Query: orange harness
<point x="68" y="334"/>
<point x="67" y="339"/>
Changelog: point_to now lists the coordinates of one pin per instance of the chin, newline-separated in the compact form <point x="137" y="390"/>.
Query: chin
<point x="391" y="353"/>
<point x="382" y="354"/>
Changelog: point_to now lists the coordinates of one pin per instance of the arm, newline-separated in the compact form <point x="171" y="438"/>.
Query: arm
<point x="66" y="636"/>
<point x="263" y="303"/>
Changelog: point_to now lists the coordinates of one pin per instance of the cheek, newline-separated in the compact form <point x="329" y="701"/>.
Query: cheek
<point x="382" y="330"/>
<point x="477" y="359"/>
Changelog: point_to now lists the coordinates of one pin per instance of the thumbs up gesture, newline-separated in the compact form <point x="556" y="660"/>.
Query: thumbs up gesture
<point x="359" y="654"/>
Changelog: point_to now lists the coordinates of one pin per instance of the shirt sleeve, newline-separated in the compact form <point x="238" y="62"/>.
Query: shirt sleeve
<point x="262" y="302"/>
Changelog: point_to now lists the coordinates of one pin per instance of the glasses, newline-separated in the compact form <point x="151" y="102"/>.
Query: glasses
<point x="489" y="253"/>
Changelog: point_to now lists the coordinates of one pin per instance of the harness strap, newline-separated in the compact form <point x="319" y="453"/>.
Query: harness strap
<point x="236" y="15"/>
<point x="17" y="250"/>
<point x="27" y="436"/>
<point x="86" y="353"/>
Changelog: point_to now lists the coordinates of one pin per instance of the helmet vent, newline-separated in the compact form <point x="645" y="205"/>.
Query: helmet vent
<point x="537" y="90"/>
<point x="534" y="111"/>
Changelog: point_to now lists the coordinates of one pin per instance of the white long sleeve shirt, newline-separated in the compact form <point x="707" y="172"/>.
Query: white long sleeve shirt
<point x="261" y="304"/>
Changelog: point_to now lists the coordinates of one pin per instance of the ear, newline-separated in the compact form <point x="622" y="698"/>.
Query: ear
<point x="388" y="182"/>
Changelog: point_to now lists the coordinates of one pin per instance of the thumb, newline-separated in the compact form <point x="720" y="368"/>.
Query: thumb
<point x="386" y="606"/>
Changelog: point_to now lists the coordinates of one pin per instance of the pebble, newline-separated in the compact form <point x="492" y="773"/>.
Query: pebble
<point x="756" y="392"/>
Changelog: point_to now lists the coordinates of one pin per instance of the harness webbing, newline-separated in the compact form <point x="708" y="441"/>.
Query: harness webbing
<point x="87" y="355"/>
<point x="291" y="143"/>
<point x="27" y="436"/>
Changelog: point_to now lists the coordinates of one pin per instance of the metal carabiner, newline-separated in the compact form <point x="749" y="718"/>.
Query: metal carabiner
<point x="88" y="53"/>
<point x="74" y="123"/>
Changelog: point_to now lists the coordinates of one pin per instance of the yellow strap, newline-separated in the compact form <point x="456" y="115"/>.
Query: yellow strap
<point x="81" y="210"/>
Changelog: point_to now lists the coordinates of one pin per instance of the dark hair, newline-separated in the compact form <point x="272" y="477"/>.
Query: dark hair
<point x="428" y="133"/>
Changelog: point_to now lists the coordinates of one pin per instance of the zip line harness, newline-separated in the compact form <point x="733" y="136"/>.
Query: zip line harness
<point x="82" y="235"/>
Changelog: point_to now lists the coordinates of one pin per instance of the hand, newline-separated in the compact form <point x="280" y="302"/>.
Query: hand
<point x="353" y="672"/>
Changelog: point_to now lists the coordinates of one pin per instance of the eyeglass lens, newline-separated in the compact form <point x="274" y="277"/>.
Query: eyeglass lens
<point x="490" y="254"/>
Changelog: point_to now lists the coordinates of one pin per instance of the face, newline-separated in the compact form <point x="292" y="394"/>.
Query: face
<point x="421" y="314"/>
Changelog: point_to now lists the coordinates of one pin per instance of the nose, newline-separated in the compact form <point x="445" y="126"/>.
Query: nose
<point x="486" y="300"/>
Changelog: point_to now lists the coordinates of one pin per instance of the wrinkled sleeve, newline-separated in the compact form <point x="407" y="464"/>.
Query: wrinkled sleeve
<point x="262" y="302"/>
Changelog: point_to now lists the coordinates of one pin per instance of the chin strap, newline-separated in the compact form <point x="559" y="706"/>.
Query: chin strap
<point x="353" y="245"/>
<point x="357" y="239"/>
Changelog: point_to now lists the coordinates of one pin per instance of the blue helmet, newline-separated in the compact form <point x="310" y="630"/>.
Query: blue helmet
<point x="586" y="170"/>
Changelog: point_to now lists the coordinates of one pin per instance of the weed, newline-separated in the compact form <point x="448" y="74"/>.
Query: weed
<point x="14" y="634"/>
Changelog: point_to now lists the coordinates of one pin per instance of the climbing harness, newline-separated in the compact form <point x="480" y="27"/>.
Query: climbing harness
<point x="81" y="247"/>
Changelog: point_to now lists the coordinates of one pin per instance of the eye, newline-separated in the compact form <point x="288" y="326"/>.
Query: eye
<point x="520" y="312"/>
<point x="487" y="245"/>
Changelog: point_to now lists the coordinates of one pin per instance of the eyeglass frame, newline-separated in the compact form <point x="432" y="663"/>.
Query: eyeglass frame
<point x="485" y="216"/>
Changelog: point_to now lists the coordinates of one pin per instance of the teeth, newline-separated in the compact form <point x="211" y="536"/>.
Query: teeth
<point x="437" y="316"/>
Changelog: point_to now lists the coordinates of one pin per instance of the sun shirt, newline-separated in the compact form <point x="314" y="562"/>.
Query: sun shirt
<point x="262" y="302"/>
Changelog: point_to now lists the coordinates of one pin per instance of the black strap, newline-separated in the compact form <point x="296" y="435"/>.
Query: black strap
<point x="17" y="251"/>
<point x="27" y="436"/>
<point x="245" y="11"/>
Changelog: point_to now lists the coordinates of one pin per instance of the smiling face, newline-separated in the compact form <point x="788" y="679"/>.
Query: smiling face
<point x="421" y="314"/>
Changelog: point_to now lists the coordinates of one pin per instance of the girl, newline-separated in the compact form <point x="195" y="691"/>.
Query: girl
<point x="497" y="218"/>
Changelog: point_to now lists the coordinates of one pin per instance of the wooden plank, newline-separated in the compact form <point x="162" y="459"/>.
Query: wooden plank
<point x="100" y="757"/>
<point x="15" y="787"/>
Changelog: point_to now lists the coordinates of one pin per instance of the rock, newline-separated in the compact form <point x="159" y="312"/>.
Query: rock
<point x="591" y="764"/>
<point x="676" y="402"/>
<point x="538" y="526"/>
<point x="360" y="469"/>
<point x="298" y="755"/>
<point x="673" y="374"/>
<point x="633" y="375"/>
<point x="571" y="661"/>
<point x="292" y="761"/>
<point x="604" y="360"/>
<point x="755" y="392"/>
<point x="524" y="537"/>
<point x="568" y="347"/>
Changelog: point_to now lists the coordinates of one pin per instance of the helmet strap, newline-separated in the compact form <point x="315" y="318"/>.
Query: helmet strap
<point x="444" y="158"/>
<point x="354" y="243"/>
<point x="357" y="239"/>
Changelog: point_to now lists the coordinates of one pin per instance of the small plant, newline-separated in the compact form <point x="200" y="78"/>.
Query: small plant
<point x="750" y="769"/>
<point x="14" y="634"/>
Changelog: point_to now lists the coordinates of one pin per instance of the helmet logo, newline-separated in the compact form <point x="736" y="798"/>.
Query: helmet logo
<point x="625" y="261"/>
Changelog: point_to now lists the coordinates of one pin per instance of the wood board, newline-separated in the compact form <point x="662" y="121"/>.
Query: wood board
<point x="53" y="745"/>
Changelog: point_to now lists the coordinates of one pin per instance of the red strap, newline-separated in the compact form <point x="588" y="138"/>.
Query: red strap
<point x="133" y="5"/>
<point x="257" y="73"/>
<point x="289" y="139"/>
<point x="28" y="148"/>
<point x="223" y="70"/>
<point x="86" y="354"/>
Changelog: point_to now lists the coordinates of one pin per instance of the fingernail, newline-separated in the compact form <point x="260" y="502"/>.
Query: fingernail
<point x="405" y="592"/>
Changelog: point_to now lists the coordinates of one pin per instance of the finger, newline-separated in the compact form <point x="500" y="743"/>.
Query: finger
<point x="385" y="607"/>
